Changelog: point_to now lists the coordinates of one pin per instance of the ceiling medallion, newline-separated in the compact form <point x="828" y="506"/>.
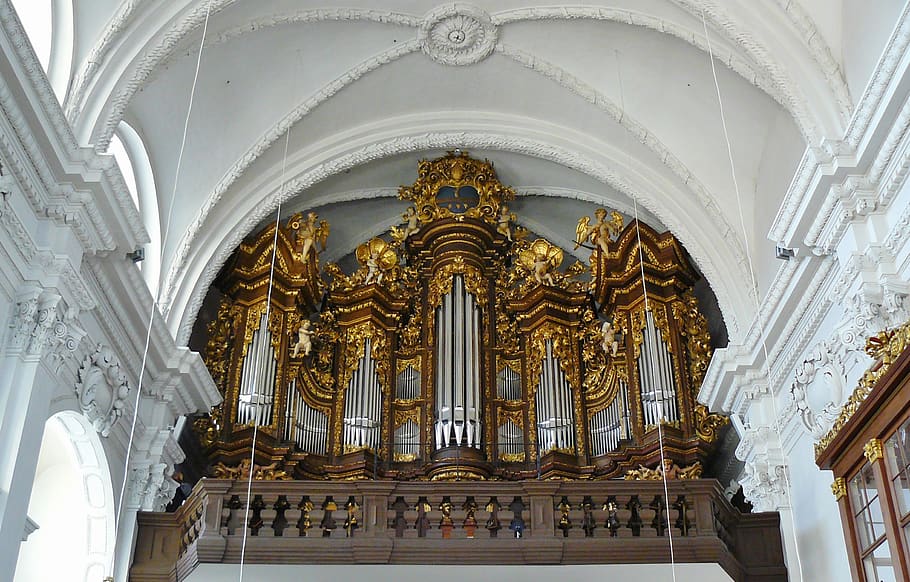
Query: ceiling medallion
<point x="457" y="34"/>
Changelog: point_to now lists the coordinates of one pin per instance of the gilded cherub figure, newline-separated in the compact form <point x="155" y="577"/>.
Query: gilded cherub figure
<point x="503" y="225"/>
<point x="542" y="270"/>
<point x="601" y="231"/>
<point x="610" y="345"/>
<point x="304" y="340"/>
<point x="412" y="226"/>
<point x="308" y="233"/>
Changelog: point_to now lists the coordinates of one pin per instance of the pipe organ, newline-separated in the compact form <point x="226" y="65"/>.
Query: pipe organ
<point x="461" y="347"/>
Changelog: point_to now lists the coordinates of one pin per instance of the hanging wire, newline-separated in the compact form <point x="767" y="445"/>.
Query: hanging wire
<point x="268" y="311"/>
<point x="644" y="289"/>
<point x="754" y="292"/>
<point x="155" y="294"/>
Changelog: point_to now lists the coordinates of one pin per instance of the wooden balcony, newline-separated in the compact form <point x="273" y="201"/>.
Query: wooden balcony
<point x="527" y="522"/>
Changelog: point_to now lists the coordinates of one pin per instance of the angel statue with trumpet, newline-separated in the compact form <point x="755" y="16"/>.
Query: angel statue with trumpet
<point x="599" y="233"/>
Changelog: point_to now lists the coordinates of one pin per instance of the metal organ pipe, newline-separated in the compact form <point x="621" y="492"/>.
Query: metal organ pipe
<point x="257" y="378"/>
<point x="458" y="374"/>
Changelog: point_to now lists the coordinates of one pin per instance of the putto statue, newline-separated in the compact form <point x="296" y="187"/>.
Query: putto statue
<point x="308" y="233"/>
<point x="304" y="340"/>
<point x="601" y="231"/>
<point x="378" y="257"/>
<point x="610" y="345"/>
<point x="503" y="224"/>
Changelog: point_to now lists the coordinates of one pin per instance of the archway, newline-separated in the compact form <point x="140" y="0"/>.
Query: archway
<point x="72" y="502"/>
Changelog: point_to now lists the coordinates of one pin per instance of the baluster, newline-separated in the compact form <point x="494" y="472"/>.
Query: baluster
<point x="634" y="523"/>
<point x="588" y="523"/>
<point x="565" y="524"/>
<point x="682" y="522"/>
<point x="280" y="522"/>
<point x="255" y="523"/>
<point x="422" y="525"/>
<point x="399" y="523"/>
<point x="612" y="509"/>
<point x="493" y="525"/>
<point x="304" y="523"/>
<point x="350" y="523"/>
<point x="470" y="522"/>
<point x="328" y="521"/>
<point x="517" y="525"/>
<point x="232" y="519"/>
<point x="659" y="523"/>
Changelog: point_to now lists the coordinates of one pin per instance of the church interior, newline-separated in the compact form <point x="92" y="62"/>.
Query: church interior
<point x="298" y="290"/>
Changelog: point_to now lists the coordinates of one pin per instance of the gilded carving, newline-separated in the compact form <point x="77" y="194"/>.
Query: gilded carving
<point x="698" y="341"/>
<point x="670" y="470"/>
<point x="708" y="424"/>
<point x="456" y="171"/>
<point x="884" y="348"/>
<point x="873" y="450"/>
<point x="839" y="488"/>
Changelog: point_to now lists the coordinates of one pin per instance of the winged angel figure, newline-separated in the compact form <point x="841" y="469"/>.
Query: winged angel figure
<point x="601" y="231"/>
<point x="308" y="233"/>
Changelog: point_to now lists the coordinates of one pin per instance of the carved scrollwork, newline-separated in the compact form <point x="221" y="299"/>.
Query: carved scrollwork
<point x="456" y="170"/>
<point x="102" y="389"/>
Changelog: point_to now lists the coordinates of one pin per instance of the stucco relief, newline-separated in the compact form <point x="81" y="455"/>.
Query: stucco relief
<point x="102" y="389"/>
<point x="765" y="478"/>
<point x="820" y="376"/>
<point x="457" y="34"/>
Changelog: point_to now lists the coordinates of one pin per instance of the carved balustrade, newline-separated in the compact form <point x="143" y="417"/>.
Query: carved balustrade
<point x="468" y="522"/>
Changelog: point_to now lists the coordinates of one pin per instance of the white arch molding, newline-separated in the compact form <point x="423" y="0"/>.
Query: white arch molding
<point x="101" y="95"/>
<point x="672" y="203"/>
<point x="72" y="501"/>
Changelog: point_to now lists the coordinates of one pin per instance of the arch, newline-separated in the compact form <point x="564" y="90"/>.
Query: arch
<point x="132" y="157"/>
<point x="97" y="105"/>
<point x="672" y="203"/>
<point x="72" y="501"/>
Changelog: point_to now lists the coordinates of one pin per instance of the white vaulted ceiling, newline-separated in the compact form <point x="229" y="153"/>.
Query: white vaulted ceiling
<point x="578" y="105"/>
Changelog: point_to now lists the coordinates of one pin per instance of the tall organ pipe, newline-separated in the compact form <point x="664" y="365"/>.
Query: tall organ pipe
<point x="458" y="377"/>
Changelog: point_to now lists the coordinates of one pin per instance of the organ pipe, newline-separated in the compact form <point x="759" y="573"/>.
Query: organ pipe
<point x="458" y="361"/>
<point x="657" y="381"/>
<point x="257" y="378"/>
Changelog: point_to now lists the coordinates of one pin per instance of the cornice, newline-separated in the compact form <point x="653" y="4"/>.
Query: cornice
<point x="443" y="140"/>
<point x="812" y="178"/>
<point x="794" y="325"/>
<point x="33" y="257"/>
<point x="33" y="165"/>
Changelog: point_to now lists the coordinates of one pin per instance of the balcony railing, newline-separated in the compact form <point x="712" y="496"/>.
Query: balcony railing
<point x="467" y="522"/>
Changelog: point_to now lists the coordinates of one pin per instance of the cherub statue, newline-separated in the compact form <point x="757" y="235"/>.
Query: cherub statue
<point x="538" y="261"/>
<point x="308" y="232"/>
<point x="541" y="270"/>
<point x="378" y="259"/>
<point x="601" y="231"/>
<point x="412" y="226"/>
<point x="610" y="344"/>
<point x="503" y="225"/>
<point x="304" y="340"/>
<point x="374" y="273"/>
